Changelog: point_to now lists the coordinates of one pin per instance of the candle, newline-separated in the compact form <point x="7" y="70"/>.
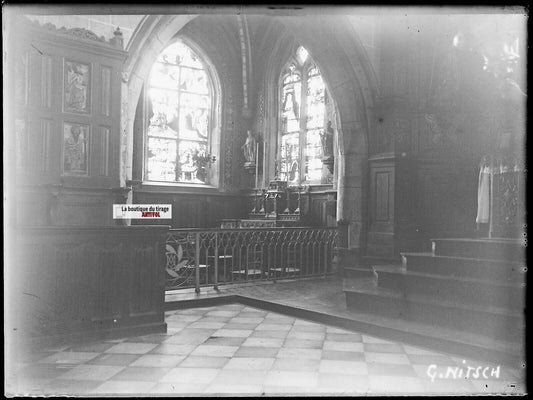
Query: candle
<point x="264" y="165"/>
<point x="256" y="163"/>
<point x="288" y="171"/>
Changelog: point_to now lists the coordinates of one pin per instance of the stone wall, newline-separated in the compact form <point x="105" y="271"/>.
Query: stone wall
<point x="440" y="108"/>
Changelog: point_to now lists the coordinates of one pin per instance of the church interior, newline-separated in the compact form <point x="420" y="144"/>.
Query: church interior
<point x="264" y="200"/>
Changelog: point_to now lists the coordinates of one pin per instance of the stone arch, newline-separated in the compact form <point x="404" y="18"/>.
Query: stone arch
<point x="340" y="55"/>
<point x="346" y="68"/>
<point x="152" y="35"/>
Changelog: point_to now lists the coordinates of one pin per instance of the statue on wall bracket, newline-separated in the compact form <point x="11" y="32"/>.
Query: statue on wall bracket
<point x="326" y="139"/>
<point x="250" y="150"/>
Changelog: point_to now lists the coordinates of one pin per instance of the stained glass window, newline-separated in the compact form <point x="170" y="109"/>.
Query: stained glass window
<point x="302" y="121"/>
<point x="179" y="99"/>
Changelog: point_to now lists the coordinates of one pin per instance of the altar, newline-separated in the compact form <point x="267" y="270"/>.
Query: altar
<point x="276" y="206"/>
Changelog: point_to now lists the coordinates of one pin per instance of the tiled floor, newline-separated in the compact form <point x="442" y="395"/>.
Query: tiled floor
<point x="240" y="350"/>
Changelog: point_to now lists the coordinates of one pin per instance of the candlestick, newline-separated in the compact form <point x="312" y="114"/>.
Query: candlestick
<point x="264" y="164"/>
<point x="288" y="170"/>
<point x="256" y="163"/>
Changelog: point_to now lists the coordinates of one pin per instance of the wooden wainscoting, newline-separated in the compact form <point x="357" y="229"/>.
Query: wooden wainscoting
<point x="70" y="283"/>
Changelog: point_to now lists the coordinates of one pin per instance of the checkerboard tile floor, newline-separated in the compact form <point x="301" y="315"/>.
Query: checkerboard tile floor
<point x="236" y="349"/>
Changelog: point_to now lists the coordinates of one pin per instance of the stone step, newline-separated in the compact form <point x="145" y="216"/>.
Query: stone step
<point x="496" y="270"/>
<point x="438" y="337"/>
<point x="492" y="322"/>
<point x="370" y="261"/>
<point x="505" y="295"/>
<point x="358" y="272"/>
<point x="486" y="249"/>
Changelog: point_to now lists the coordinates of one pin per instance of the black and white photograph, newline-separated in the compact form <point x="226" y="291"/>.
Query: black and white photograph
<point x="264" y="200"/>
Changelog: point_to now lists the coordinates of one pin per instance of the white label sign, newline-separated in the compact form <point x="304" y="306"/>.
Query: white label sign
<point x="142" y="211"/>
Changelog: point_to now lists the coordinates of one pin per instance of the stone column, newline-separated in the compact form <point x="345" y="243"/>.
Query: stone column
<point x="351" y="171"/>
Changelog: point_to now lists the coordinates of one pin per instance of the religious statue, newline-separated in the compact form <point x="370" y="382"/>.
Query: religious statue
<point x="77" y="76"/>
<point x="326" y="140"/>
<point x="249" y="149"/>
<point x="75" y="150"/>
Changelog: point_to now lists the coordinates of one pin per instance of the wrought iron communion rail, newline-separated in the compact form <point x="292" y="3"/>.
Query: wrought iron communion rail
<point x="197" y="258"/>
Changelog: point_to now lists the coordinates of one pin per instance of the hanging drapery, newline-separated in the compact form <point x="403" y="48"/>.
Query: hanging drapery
<point x="483" y="192"/>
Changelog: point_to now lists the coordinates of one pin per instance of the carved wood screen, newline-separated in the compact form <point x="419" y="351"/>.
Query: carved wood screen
<point x="66" y="122"/>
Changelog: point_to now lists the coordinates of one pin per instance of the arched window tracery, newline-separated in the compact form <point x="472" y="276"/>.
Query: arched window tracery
<point x="303" y="120"/>
<point x="180" y="103"/>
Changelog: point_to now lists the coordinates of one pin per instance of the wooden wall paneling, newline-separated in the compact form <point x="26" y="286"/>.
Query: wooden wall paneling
<point x="180" y="213"/>
<point x="509" y="204"/>
<point x="31" y="207"/>
<point x="29" y="287"/>
<point x="46" y="59"/>
<point x="45" y="143"/>
<point x="33" y="147"/>
<point x="212" y="211"/>
<point x="84" y="208"/>
<point x="66" y="303"/>
<point x="104" y="141"/>
<point x="22" y="70"/>
<point x="448" y="197"/>
<point x="143" y="280"/>
<point x="46" y="81"/>
<point x="87" y="282"/>
<point x="71" y="171"/>
<point x="316" y="209"/>
<point x="105" y="99"/>
<point x="406" y="223"/>
<point x="80" y="84"/>
<point x="107" y="283"/>
<point x="21" y="144"/>
<point x="198" y="210"/>
<point x="382" y="196"/>
<point x="393" y="206"/>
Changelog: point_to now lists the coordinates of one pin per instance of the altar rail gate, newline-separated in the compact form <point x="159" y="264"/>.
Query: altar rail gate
<point x="197" y="258"/>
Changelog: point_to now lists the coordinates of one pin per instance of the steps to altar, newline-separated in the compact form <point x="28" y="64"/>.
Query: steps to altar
<point x="464" y="288"/>
<point x="484" y="249"/>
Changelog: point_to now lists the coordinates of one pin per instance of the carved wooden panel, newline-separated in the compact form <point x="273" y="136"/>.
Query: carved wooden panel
<point x="79" y="281"/>
<point x="66" y="97"/>
<point x="84" y="209"/>
<point x="392" y="204"/>
<point x="46" y="133"/>
<point x="22" y="78"/>
<point x="509" y="204"/>
<point x="142" y="296"/>
<point x="71" y="289"/>
<point x="77" y="87"/>
<point x="382" y="198"/>
<point x="382" y="194"/>
<point x="33" y="292"/>
<point x="76" y="149"/>
<point x="105" y="143"/>
<point x="447" y="198"/>
<point x="46" y="81"/>
<point x="21" y="143"/>
<point x="317" y="209"/>
<point x="107" y="276"/>
<point x="105" y="91"/>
